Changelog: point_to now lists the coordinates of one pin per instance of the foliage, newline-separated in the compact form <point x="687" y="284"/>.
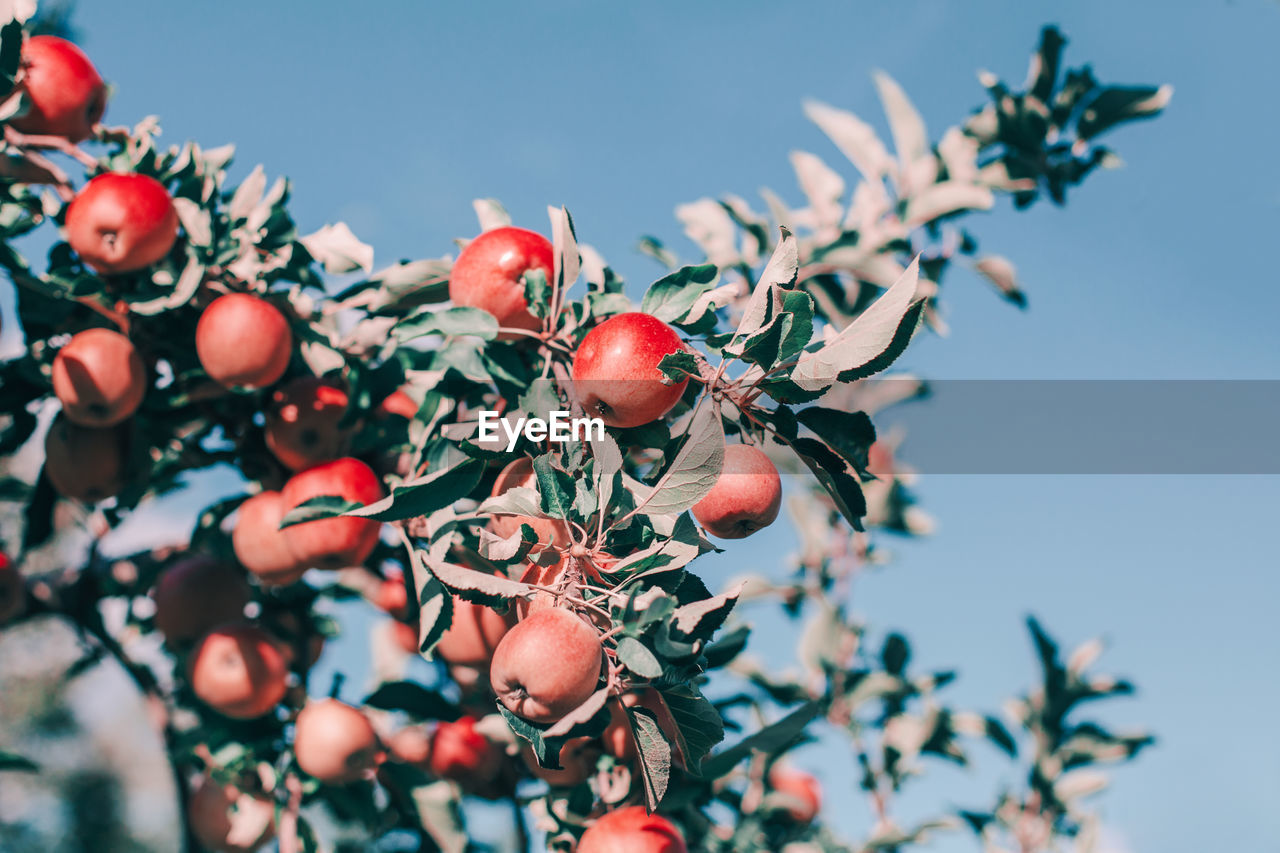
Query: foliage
<point x="789" y="315"/>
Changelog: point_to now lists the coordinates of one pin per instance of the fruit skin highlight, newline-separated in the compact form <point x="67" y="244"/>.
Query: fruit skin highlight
<point x="259" y="543"/>
<point x="121" y="223"/>
<point x="489" y="271"/>
<point x="238" y="671"/>
<point x="547" y="665"/>
<point x="632" y="830"/>
<point x="243" y="341"/>
<point x="99" y="378"/>
<point x="745" y="498"/>
<point x="333" y="543"/>
<point x="65" y="92"/>
<point x="335" y="742"/>
<point x="615" y="370"/>
<point x="303" y="423"/>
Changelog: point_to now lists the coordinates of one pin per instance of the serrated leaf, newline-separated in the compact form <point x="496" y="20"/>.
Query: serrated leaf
<point x="247" y="195"/>
<point x="458" y="320"/>
<point x="568" y="261"/>
<point x="491" y="214"/>
<point x="702" y="618"/>
<point x="580" y="715"/>
<point x="769" y="739"/>
<point x="779" y="272"/>
<point x="673" y="296"/>
<point x="654" y="754"/>
<point x="836" y="477"/>
<point x="338" y="250"/>
<point x="850" y="434"/>
<point x="876" y="332"/>
<point x="424" y="496"/>
<point x="637" y="657"/>
<point x="314" y="509"/>
<point x="695" y="469"/>
<point x="699" y="726"/>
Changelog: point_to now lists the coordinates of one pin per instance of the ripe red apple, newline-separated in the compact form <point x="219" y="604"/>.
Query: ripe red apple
<point x="302" y="423"/>
<point x="335" y="742"/>
<point x="802" y="791"/>
<point x="411" y="745"/>
<point x="99" y="377"/>
<point x="745" y="499"/>
<point x="86" y="464"/>
<point x="461" y="753"/>
<point x="406" y="635"/>
<point x="259" y="542"/>
<point x="225" y="820"/>
<point x="399" y="404"/>
<point x="632" y="830"/>
<point x="67" y="96"/>
<point x="243" y="341"/>
<point x="333" y="543"/>
<point x="238" y="671"/>
<point x="547" y="665"/>
<point x="197" y="594"/>
<point x="615" y="370"/>
<point x="549" y="531"/>
<point x="392" y="596"/>
<point x="119" y="222"/>
<point x="617" y="738"/>
<point x="473" y="635"/>
<point x="12" y="590"/>
<point x="489" y="270"/>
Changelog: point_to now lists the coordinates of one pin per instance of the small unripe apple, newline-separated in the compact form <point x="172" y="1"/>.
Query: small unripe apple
<point x="632" y="830"/>
<point x="197" y="594"/>
<point x="238" y="671"/>
<point x="411" y="745"/>
<point x="99" y="378"/>
<point x="225" y="820"/>
<point x="461" y="753"/>
<point x="120" y="223"/>
<point x="333" y="543"/>
<point x="66" y="94"/>
<point x="335" y="742"/>
<point x="615" y="370"/>
<point x="802" y="791"/>
<point x="243" y="341"/>
<point x="745" y="499"/>
<point x="473" y="635"/>
<point x="488" y="275"/>
<point x="83" y="463"/>
<point x="547" y="665"/>
<point x="549" y="531"/>
<point x="259" y="542"/>
<point x="302" y="423"/>
<point x="12" y="590"/>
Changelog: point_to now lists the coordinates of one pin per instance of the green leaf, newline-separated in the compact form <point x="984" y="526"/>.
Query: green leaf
<point x="14" y="762"/>
<point x="836" y="477"/>
<point x="459" y="320"/>
<point x="850" y="434"/>
<point x="413" y="699"/>
<point x="314" y="509"/>
<point x="895" y="654"/>
<point x="637" y="657"/>
<point x="1118" y="104"/>
<point x="770" y="739"/>
<point x="555" y="488"/>
<point x="423" y="497"/>
<point x="671" y="297"/>
<point x="679" y="366"/>
<point x="654" y="753"/>
<point x="699" y="726"/>
<point x="537" y="292"/>
<point x="695" y="469"/>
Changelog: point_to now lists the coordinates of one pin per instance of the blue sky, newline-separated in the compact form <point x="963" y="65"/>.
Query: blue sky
<point x="394" y="121"/>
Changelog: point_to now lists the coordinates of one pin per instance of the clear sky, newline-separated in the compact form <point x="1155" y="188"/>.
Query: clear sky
<point x="395" y="120"/>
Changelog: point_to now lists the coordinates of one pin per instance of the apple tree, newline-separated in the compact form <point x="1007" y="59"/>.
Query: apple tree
<point x="546" y="640"/>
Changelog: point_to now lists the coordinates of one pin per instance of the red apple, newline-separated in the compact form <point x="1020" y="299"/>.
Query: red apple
<point x="238" y="671"/>
<point x="399" y="404"/>
<point x="745" y="499"/>
<point x="615" y="370"/>
<point x="99" y="378"/>
<point x="66" y="94"/>
<point x="12" y="590"/>
<point x="802" y="792"/>
<point x="86" y="464"/>
<point x="547" y="665"/>
<point x="473" y="635"/>
<point x="632" y="830"/>
<point x="412" y="746"/>
<point x="405" y="635"/>
<point x="243" y="341"/>
<point x="461" y="753"/>
<point x="549" y="531"/>
<point x="225" y="820"/>
<point x="392" y="596"/>
<point x="120" y="223"/>
<point x="335" y="742"/>
<point x="302" y="423"/>
<point x="333" y="543"/>
<point x="259" y="542"/>
<point x="488" y="275"/>
<point x="195" y="595"/>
